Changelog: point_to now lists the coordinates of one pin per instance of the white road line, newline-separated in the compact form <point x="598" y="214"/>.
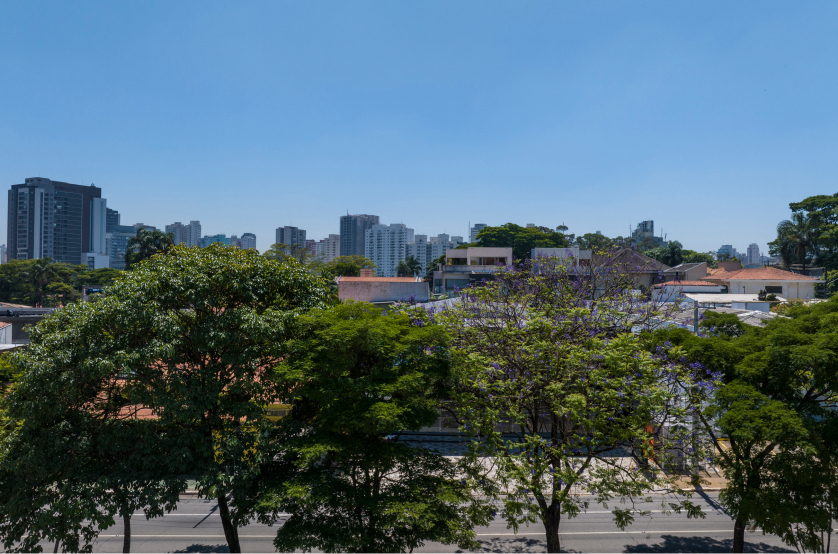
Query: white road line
<point x="664" y="532"/>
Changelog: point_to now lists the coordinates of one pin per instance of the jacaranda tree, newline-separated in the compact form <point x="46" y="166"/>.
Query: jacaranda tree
<point x="553" y="385"/>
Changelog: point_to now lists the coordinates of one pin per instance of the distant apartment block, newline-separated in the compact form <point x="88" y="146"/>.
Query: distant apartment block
<point x="50" y="219"/>
<point x="248" y="240"/>
<point x="177" y="229"/>
<point x="234" y="242"/>
<point x="327" y="249"/>
<point x="192" y="233"/>
<point x="353" y="233"/>
<point x="3" y="252"/>
<point x="426" y="251"/>
<point x="474" y="230"/>
<point x="289" y="236"/>
<point x="117" y="244"/>
<point x="311" y="246"/>
<point x="386" y="245"/>
<point x="752" y="258"/>
<point x="726" y="250"/>
<point x="645" y="232"/>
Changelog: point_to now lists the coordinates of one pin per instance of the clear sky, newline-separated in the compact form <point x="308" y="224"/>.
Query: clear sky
<point x="707" y="117"/>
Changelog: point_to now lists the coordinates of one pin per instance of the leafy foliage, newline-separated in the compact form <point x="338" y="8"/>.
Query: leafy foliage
<point x="185" y="338"/>
<point x="357" y="376"/>
<point x="550" y="382"/>
<point x="39" y="282"/>
<point x="408" y="267"/>
<point x="146" y="244"/>
<point x="521" y="239"/>
<point x="776" y="411"/>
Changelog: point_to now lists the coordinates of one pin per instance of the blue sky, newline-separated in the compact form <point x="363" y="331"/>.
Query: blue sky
<point x="707" y="117"/>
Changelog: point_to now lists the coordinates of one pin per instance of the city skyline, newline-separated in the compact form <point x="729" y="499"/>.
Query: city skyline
<point x="707" y="118"/>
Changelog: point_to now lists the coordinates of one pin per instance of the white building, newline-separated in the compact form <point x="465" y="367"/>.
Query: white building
<point x="752" y="259"/>
<point x="327" y="249"/>
<point x="97" y="255"/>
<point x="474" y="230"/>
<point x="248" y="240"/>
<point x="770" y="279"/>
<point x="192" y="233"/>
<point x="426" y="251"/>
<point x="469" y="266"/>
<point x="386" y="245"/>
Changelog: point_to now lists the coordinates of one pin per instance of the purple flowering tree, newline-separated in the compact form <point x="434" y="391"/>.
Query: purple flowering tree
<point x="559" y="395"/>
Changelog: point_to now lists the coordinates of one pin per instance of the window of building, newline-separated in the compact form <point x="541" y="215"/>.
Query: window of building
<point x="774" y="290"/>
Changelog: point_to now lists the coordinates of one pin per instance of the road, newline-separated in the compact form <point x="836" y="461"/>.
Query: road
<point x="196" y="527"/>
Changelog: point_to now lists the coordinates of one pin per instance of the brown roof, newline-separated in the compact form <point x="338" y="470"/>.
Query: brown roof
<point x="377" y="280"/>
<point x="631" y="258"/>
<point x="686" y="284"/>
<point x="757" y="274"/>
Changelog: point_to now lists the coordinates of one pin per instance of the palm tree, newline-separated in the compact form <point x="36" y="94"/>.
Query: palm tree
<point x="408" y="267"/>
<point x="146" y="244"/>
<point x="40" y="274"/>
<point x="795" y="237"/>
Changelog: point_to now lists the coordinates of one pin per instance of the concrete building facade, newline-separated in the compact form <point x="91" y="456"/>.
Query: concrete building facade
<point x="117" y="242"/>
<point x="426" y="251"/>
<point x="289" y="236"/>
<point x="474" y="230"/>
<point x="178" y="230"/>
<point x="50" y="219"/>
<point x="386" y="245"/>
<point x="752" y="259"/>
<point x="248" y="240"/>
<point x="328" y="249"/>
<point x="353" y="233"/>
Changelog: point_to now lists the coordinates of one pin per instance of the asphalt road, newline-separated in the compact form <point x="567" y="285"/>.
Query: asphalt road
<point x="196" y="527"/>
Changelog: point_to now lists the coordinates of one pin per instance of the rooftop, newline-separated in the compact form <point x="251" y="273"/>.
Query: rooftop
<point x="757" y="274"/>
<point x="377" y="279"/>
<point x="687" y="284"/>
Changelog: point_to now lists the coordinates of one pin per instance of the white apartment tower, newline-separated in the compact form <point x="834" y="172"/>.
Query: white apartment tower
<point x="248" y="240"/>
<point x="753" y="255"/>
<point x="386" y="245"/>
<point x="426" y="251"/>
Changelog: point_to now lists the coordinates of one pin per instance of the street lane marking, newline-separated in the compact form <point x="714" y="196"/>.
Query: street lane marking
<point x="696" y="531"/>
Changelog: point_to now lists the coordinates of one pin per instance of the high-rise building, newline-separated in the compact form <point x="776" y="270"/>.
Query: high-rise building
<point x="50" y="219"/>
<point x="178" y="231"/>
<point x="753" y="258"/>
<point x="235" y="242"/>
<point x="248" y="240"/>
<point x="328" y="249"/>
<point x="386" y="245"/>
<point x="112" y="220"/>
<point x="117" y="242"/>
<point x="474" y="230"/>
<point x="726" y="250"/>
<point x="192" y="233"/>
<point x="353" y="229"/>
<point x="3" y="252"/>
<point x="289" y="236"/>
<point x="95" y="256"/>
<point x="139" y="226"/>
<point x="426" y="251"/>
<point x="311" y="246"/>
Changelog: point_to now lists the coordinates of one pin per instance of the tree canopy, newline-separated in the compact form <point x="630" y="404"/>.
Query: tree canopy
<point x="146" y="244"/>
<point x="186" y="339"/>
<point x="811" y="234"/>
<point x="357" y="377"/>
<point x="521" y="239"/>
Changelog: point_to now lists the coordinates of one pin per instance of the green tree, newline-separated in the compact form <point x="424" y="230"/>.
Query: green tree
<point x="549" y="380"/>
<point x="282" y="252"/>
<point x="594" y="241"/>
<point x="775" y="409"/>
<point x="408" y="267"/>
<point x="429" y="274"/>
<point x="823" y="210"/>
<point x="521" y="239"/>
<point x="103" y="277"/>
<point x="671" y="254"/>
<point x="346" y="266"/>
<point x="190" y="337"/>
<point x="796" y="237"/>
<point x="146" y="244"/>
<point x="41" y="274"/>
<point x="691" y="256"/>
<point x="357" y="376"/>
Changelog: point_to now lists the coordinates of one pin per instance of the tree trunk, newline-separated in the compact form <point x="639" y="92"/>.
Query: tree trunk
<point x="126" y="537"/>
<point x="230" y="530"/>
<point x="738" y="536"/>
<point x="551" y="519"/>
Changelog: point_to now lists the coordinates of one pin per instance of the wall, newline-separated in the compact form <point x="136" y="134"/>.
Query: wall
<point x="382" y="291"/>
<point x="791" y="289"/>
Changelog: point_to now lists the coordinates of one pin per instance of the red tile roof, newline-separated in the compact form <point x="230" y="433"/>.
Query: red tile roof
<point x="686" y="284"/>
<point x="757" y="274"/>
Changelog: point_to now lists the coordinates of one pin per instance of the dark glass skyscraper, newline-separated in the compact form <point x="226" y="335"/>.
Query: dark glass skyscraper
<point x="353" y="230"/>
<point x="50" y="219"/>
